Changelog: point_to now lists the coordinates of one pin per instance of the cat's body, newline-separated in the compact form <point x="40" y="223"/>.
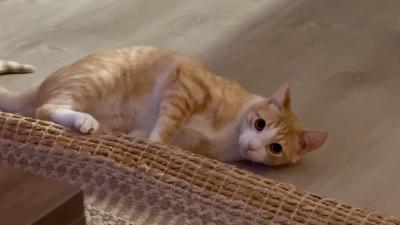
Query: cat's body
<point x="157" y="94"/>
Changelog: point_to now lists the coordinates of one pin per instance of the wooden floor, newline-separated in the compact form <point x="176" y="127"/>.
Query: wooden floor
<point x="36" y="200"/>
<point x="341" y="58"/>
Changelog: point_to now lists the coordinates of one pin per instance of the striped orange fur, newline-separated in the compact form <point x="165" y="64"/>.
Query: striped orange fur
<point x="170" y="98"/>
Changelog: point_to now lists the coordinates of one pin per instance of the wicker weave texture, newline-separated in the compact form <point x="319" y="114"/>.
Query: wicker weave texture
<point x="147" y="183"/>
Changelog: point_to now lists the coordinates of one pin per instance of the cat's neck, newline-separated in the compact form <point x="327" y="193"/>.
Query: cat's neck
<point x="225" y="145"/>
<point x="227" y="102"/>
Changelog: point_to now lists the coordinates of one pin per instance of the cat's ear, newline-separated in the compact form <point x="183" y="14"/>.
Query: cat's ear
<point x="311" y="140"/>
<point x="282" y="96"/>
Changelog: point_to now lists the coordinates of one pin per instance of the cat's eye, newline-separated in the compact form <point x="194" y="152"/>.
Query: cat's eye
<point x="275" y="148"/>
<point x="259" y="124"/>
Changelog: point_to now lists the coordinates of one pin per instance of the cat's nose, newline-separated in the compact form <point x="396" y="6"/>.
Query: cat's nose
<point x="252" y="146"/>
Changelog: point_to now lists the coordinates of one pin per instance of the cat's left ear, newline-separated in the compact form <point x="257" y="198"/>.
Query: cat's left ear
<point x="282" y="96"/>
<point x="311" y="140"/>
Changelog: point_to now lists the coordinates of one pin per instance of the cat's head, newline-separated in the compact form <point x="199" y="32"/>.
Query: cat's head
<point x="272" y="134"/>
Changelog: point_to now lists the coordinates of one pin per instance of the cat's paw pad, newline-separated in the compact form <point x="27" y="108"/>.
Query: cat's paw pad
<point x="86" y="123"/>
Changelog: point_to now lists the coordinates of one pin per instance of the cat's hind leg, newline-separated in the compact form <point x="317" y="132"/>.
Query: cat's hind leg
<point x="66" y="116"/>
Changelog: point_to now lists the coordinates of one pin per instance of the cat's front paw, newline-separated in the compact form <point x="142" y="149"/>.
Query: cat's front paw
<point x="86" y="123"/>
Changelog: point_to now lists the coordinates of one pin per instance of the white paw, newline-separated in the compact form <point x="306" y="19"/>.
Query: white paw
<point x="86" y="123"/>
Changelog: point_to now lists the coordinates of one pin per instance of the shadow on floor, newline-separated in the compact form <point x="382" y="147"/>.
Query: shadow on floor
<point x="341" y="59"/>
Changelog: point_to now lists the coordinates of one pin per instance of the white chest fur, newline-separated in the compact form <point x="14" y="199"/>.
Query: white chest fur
<point x="115" y="114"/>
<point x="223" y="143"/>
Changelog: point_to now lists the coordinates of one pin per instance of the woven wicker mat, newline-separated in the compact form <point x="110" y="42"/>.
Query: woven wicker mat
<point x="133" y="181"/>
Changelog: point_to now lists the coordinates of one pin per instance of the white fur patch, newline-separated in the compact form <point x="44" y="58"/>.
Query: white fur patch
<point x="261" y="138"/>
<point x="64" y="117"/>
<point x="15" y="67"/>
<point x="83" y="122"/>
<point x="2" y="66"/>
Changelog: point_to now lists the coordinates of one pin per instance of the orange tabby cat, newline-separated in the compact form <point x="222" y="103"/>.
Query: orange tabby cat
<point x="169" y="98"/>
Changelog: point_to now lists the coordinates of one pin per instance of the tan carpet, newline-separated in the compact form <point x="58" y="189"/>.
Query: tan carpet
<point x="133" y="181"/>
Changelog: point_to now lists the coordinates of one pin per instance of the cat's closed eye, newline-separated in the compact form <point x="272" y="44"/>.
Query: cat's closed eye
<point x="259" y="124"/>
<point x="275" y="148"/>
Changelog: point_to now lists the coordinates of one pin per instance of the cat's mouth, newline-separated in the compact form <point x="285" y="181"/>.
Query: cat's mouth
<point x="244" y="152"/>
<point x="252" y="154"/>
